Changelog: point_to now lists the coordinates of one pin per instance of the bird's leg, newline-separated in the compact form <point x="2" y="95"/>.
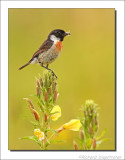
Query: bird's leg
<point x="48" y="69"/>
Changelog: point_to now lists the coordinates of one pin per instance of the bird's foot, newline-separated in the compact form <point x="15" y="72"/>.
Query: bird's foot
<point x="53" y="74"/>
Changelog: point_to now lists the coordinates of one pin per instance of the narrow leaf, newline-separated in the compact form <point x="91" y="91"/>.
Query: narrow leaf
<point x="56" y="141"/>
<point x="102" y="140"/>
<point x="33" y="138"/>
<point x="52" y="130"/>
<point x="102" y="134"/>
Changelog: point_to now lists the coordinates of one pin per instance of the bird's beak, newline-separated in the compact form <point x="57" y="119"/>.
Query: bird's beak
<point x="67" y="33"/>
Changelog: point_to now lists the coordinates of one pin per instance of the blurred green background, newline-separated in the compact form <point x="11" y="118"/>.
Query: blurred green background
<point x="85" y="69"/>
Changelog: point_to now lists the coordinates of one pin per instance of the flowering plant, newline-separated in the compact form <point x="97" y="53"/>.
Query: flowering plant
<point x="47" y="95"/>
<point x="89" y="140"/>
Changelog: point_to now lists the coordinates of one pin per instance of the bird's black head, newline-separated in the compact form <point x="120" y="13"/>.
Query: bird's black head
<point x="58" y="34"/>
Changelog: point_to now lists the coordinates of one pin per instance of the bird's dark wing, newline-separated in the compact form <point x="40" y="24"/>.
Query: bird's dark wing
<point x="44" y="47"/>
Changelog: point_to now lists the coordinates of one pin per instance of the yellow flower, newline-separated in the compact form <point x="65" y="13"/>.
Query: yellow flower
<point x="55" y="116"/>
<point x="39" y="134"/>
<point x="73" y="125"/>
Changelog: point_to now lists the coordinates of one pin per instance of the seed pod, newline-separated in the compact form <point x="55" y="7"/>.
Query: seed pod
<point x="75" y="145"/>
<point x="40" y="80"/>
<point x="55" y="95"/>
<point x="45" y="117"/>
<point x="90" y="130"/>
<point x="96" y="120"/>
<point x="93" y="121"/>
<point x="97" y="125"/>
<point x="50" y="90"/>
<point x="94" y="143"/>
<point x="44" y="85"/>
<point x="81" y="134"/>
<point x="37" y="83"/>
<point x="89" y="111"/>
<point x="60" y="129"/>
<point x="45" y="96"/>
<point x="36" y="114"/>
<point x="53" y="85"/>
<point x="37" y="91"/>
<point x="30" y="103"/>
<point x="48" y="82"/>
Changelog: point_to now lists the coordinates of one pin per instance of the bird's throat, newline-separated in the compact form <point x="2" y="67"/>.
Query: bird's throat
<point x="59" y="46"/>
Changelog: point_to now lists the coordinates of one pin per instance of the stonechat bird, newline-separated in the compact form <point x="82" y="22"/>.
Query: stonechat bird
<point x="49" y="50"/>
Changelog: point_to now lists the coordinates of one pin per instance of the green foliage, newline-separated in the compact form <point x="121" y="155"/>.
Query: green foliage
<point x="46" y="97"/>
<point x="90" y="125"/>
<point x="33" y="138"/>
<point x="46" y="94"/>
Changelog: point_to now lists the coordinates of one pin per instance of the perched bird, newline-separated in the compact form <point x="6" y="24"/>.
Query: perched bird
<point x="49" y="50"/>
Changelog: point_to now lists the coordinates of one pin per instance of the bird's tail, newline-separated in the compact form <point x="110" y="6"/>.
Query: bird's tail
<point x="24" y="66"/>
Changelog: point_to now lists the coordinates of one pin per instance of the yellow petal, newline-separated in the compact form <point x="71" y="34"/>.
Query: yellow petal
<point x="73" y="125"/>
<point x="39" y="134"/>
<point x="55" y="116"/>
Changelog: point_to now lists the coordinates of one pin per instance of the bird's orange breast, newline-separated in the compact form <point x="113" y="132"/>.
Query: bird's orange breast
<point x="59" y="46"/>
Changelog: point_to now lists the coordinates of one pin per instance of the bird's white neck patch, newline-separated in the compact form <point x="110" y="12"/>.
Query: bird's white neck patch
<point x="54" y="38"/>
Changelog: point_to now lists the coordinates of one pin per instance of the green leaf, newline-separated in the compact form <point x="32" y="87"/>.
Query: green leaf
<point x="52" y="130"/>
<point x="41" y="105"/>
<point x="102" y="134"/>
<point x="56" y="141"/>
<point x="33" y="138"/>
<point x="95" y="128"/>
<point x="34" y="123"/>
<point x="89" y="143"/>
<point x="53" y="142"/>
<point x="102" y="140"/>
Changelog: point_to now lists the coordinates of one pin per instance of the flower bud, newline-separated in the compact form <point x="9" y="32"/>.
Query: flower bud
<point x="81" y="134"/>
<point x="48" y="82"/>
<point x="97" y="126"/>
<point x="37" y="91"/>
<point x="89" y="111"/>
<point x="44" y="85"/>
<point x="45" y="96"/>
<point x="93" y="121"/>
<point x="90" y="130"/>
<point x="36" y="114"/>
<point x="53" y="85"/>
<point x="75" y="145"/>
<point x="56" y="95"/>
<point x="96" y="120"/>
<point x="45" y="117"/>
<point x="37" y="83"/>
<point x="50" y="90"/>
<point x="30" y="103"/>
<point x="60" y="129"/>
<point x="40" y="80"/>
<point x="94" y="143"/>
